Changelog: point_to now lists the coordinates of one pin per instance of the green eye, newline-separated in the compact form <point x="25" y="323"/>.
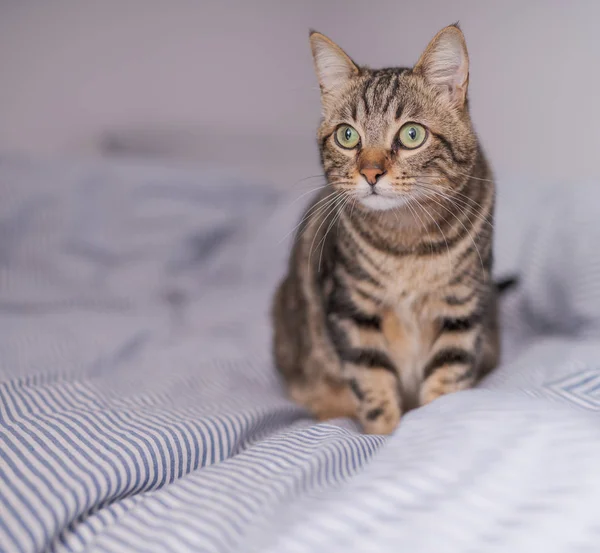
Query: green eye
<point x="347" y="137"/>
<point x="412" y="135"/>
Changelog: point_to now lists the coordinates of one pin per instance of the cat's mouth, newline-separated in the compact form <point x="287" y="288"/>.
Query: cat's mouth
<point x="379" y="196"/>
<point x="379" y="191"/>
<point x="381" y="202"/>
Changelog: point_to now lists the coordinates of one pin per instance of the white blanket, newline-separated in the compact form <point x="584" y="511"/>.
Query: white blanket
<point x="140" y="411"/>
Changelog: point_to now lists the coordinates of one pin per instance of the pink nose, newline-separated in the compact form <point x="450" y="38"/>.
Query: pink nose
<point x="372" y="174"/>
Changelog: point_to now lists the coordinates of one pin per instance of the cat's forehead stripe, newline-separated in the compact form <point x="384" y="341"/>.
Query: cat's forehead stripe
<point x="393" y="92"/>
<point x="364" y="97"/>
<point x="377" y="101"/>
<point x="375" y="104"/>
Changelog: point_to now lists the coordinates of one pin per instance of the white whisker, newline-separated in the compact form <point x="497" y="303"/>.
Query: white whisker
<point x="463" y="203"/>
<point x="312" y="210"/>
<point x="336" y="202"/>
<point x="335" y="218"/>
<point x="307" y="192"/>
<point x="466" y="229"/>
<point x="449" y="256"/>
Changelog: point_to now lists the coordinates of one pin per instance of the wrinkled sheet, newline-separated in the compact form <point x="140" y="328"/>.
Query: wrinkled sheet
<point x="140" y="411"/>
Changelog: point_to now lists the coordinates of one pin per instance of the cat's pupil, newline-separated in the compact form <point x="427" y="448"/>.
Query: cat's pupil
<point x="412" y="133"/>
<point x="348" y="134"/>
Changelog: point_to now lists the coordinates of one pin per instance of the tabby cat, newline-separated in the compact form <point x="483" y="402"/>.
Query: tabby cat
<point x="388" y="302"/>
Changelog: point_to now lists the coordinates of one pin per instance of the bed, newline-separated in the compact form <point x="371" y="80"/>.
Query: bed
<point x="140" y="410"/>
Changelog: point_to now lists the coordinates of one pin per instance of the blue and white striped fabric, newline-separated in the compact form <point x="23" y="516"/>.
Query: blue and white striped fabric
<point x="139" y="409"/>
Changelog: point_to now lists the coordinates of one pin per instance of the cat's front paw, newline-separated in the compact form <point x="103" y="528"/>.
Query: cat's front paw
<point x="442" y="382"/>
<point x="381" y="421"/>
<point x="379" y="407"/>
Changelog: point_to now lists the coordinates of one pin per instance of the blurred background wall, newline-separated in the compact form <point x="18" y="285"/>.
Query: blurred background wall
<point x="232" y="82"/>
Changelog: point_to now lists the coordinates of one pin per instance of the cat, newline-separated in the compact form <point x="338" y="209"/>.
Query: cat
<point x="388" y="302"/>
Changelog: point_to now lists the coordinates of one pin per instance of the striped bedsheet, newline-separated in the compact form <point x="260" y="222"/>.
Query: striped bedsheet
<point x="139" y="409"/>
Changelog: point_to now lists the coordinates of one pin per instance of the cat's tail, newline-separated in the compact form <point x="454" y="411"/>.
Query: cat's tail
<point x="505" y="284"/>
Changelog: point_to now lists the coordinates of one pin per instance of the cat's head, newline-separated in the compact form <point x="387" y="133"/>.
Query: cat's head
<point x="389" y="135"/>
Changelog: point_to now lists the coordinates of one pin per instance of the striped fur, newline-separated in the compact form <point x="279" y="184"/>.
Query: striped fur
<point x="388" y="302"/>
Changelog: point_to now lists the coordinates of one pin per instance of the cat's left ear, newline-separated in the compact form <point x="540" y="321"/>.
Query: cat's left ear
<point x="445" y="64"/>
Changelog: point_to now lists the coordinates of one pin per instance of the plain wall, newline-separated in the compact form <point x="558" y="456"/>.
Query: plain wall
<point x="72" y="71"/>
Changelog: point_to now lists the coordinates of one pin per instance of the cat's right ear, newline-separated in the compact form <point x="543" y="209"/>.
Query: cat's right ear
<point x="333" y="66"/>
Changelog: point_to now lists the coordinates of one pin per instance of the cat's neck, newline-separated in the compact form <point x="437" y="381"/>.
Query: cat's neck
<point x="404" y="227"/>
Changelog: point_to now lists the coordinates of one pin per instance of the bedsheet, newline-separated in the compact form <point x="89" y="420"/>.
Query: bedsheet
<point x="140" y="411"/>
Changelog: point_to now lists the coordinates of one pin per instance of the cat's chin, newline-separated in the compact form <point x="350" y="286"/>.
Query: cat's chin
<point x="377" y="202"/>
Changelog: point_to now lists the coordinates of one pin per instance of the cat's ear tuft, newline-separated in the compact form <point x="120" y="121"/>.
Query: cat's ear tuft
<point x="445" y="64"/>
<point x="333" y="66"/>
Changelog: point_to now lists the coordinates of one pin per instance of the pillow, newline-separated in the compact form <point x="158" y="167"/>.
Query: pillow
<point x="561" y="262"/>
<point x="116" y="234"/>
